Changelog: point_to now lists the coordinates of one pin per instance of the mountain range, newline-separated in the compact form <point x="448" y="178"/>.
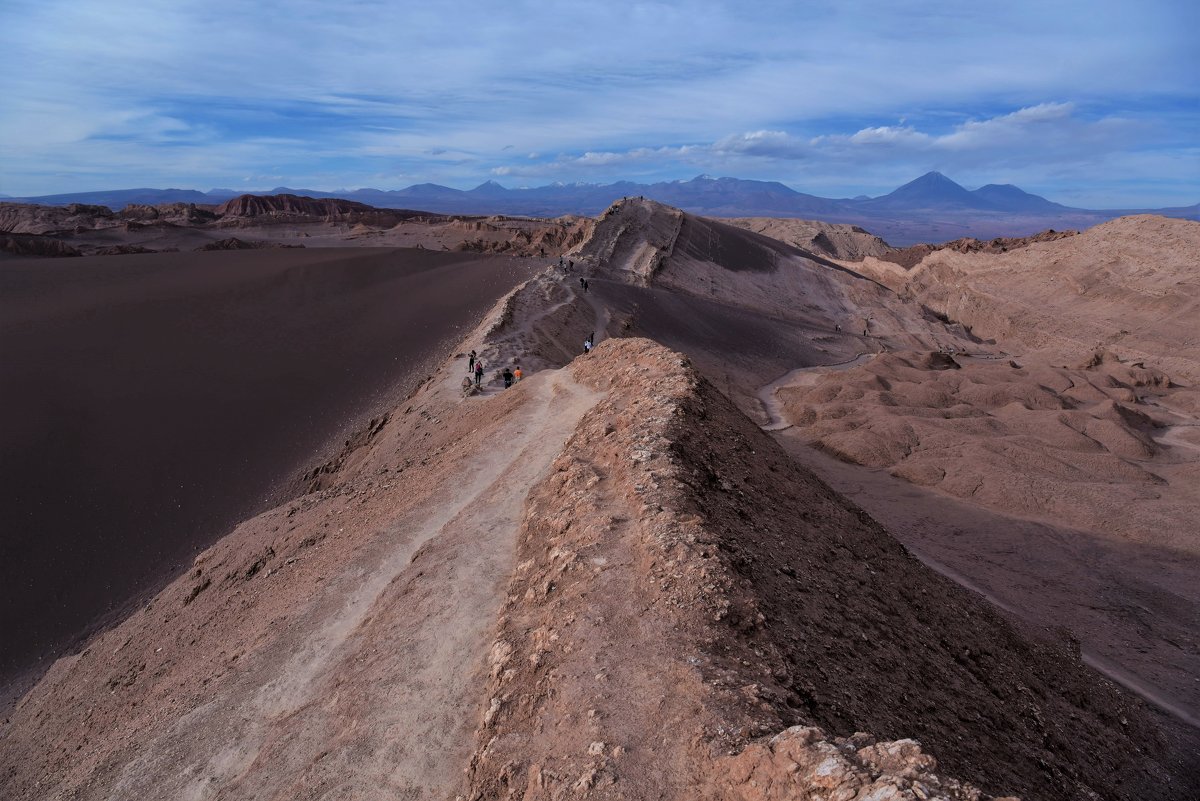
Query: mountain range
<point x="932" y="207"/>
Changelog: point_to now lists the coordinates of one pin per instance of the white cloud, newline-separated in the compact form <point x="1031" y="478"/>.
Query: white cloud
<point x="768" y="144"/>
<point x="372" y="88"/>
<point x="888" y="135"/>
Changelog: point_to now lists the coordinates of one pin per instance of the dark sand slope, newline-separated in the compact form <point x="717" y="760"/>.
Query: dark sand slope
<point x="151" y="401"/>
<point x="746" y="308"/>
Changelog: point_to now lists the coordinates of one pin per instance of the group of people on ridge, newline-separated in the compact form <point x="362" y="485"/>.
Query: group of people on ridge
<point x="475" y="367"/>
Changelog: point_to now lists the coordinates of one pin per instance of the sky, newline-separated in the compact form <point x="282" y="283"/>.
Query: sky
<point x="1093" y="104"/>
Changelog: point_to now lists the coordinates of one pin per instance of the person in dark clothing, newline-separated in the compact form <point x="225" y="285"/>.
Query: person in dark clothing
<point x="585" y="284"/>
<point x="478" y="373"/>
<point x="508" y="377"/>
<point x="471" y="362"/>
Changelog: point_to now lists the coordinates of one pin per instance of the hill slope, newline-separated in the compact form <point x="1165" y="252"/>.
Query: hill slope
<point x="605" y="582"/>
<point x="1063" y="479"/>
<point x="671" y="572"/>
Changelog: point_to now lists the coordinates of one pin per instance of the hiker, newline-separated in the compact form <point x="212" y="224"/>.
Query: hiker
<point x="517" y="373"/>
<point x="471" y="362"/>
<point x="508" y="378"/>
<point x="587" y="346"/>
<point x="837" y="327"/>
<point x="570" y="264"/>
<point x="478" y="372"/>
<point x="584" y="284"/>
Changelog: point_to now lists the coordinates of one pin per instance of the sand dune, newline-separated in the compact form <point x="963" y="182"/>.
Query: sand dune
<point x="153" y="401"/>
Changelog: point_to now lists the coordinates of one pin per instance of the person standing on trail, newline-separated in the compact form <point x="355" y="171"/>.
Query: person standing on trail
<point x="471" y="362"/>
<point x="587" y="346"/>
<point x="517" y="373"/>
<point x="584" y="284"/>
<point x="508" y="377"/>
<point x="478" y="372"/>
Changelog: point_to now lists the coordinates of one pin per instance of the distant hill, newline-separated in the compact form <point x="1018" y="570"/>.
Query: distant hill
<point x="117" y="199"/>
<point x="931" y="191"/>
<point x="931" y="208"/>
<point x="1010" y="198"/>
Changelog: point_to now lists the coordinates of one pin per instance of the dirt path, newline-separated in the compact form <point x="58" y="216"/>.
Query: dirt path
<point x="802" y="376"/>
<point x="383" y="685"/>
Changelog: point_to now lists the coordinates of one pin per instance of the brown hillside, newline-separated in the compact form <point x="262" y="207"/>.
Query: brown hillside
<point x="279" y="205"/>
<point x="1129" y="286"/>
<point x="838" y="240"/>
<point x="911" y="256"/>
<point x="1061" y="478"/>
<point x="28" y="218"/>
<point x="609" y="582"/>
<point x="604" y="582"/>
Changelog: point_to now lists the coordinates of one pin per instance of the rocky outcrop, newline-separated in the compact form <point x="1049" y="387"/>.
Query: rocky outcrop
<point x="28" y="218"/>
<point x="804" y="762"/>
<point x="177" y="213"/>
<point x="35" y="245"/>
<point x="233" y="243"/>
<point x="123" y="250"/>
<point x="294" y="206"/>
<point x="633" y="239"/>
<point x="518" y="236"/>
<point x="911" y="256"/>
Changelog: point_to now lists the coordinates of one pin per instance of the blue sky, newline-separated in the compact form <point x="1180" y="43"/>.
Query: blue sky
<point x="1089" y="103"/>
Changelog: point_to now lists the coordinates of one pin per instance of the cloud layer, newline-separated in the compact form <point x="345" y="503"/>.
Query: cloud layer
<point x="1086" y="102"/>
